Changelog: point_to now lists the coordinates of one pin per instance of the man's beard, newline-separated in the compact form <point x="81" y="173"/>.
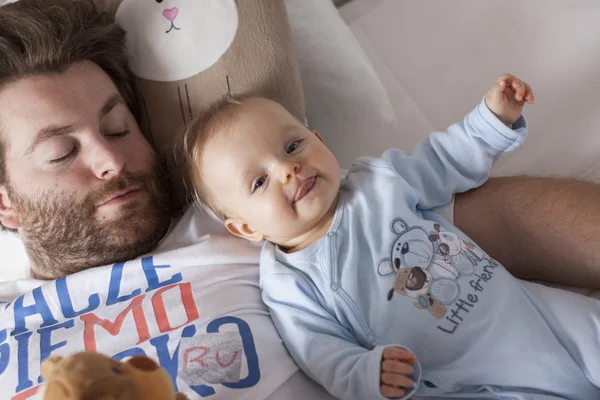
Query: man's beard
<point x="62" y="236"/>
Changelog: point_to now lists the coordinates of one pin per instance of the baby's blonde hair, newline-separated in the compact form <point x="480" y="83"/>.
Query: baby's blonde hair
<point x="196" y="135"/>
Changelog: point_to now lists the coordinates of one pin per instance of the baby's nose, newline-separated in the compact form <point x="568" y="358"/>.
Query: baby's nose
<point x="288" y="171"/>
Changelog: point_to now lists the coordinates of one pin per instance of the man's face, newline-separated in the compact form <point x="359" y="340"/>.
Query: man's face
<point x="83" y="185"/>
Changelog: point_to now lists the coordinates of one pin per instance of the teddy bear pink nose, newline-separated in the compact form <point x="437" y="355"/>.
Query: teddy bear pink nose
<point x="171" y="13"/>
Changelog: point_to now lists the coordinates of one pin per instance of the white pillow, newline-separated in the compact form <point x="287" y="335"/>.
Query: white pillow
<point x="344" y="95"/>
<point x="14" y="263"/>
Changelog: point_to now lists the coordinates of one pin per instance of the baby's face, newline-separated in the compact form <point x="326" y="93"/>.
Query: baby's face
<point x="268" y="171"/>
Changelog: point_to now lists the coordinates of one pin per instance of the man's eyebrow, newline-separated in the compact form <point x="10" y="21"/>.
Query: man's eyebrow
<point x="111" y="103"/>
<point x="50" y="132"/>
<point x="56" y="130"/>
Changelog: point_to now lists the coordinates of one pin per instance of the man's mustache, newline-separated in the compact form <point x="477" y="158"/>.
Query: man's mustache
<point x="116" y="186"/>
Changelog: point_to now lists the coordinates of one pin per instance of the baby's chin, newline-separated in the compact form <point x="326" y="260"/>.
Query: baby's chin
<point x="310" y="233"/>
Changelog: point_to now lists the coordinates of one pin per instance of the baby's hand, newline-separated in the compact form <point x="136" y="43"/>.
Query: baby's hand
<point x="507" y="98"/>
<point x="396" y="367"/>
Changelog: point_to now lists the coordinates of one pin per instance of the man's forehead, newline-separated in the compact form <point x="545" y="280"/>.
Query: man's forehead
<point x="82" y="81"/>
<point x="33" y="103"/>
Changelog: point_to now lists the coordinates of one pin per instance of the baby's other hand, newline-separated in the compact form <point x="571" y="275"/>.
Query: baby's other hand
<point x="507" y="98"/>
<point x="396" y="367"/>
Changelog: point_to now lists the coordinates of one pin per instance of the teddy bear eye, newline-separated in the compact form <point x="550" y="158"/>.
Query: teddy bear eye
<point x="117" y="371"/>
<point x="159" y="1"/>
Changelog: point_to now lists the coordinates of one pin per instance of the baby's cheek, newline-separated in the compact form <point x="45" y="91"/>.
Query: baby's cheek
<point x="275" y="215"/>
<point x="270" y="210"/>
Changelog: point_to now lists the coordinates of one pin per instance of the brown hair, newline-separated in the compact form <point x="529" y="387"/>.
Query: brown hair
<point x="42" y="37"/>
<point x="195" y="137"/>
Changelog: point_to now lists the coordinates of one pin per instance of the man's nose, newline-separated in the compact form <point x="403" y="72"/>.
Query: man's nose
<point x="106" y="162"/>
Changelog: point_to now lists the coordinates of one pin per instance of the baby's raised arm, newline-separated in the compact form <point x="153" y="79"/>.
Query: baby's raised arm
<point x="460" y="159"/>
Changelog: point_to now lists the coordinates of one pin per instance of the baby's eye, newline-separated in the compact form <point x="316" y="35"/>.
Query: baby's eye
<point x="260" y="181"/>
<point x="293" y="147"/>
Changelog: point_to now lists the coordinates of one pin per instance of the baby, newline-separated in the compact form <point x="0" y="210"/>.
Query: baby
<point x="374" y="296"/>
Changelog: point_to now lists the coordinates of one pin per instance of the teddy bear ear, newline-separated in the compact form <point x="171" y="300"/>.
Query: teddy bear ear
<point x="399" y="226"/>
<point x="143" y="363"/>
<point x="434" y="237"/>
<point x="49" y="365"/>
<point x="385" y="267"/>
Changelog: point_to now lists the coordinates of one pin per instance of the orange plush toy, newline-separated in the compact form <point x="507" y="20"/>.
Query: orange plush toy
<point x="93" y="376"/>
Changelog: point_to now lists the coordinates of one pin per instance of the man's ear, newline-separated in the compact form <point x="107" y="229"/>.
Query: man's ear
<point x="7" y="214"/>
<point x="241" y="229"/>
<point x="317" y="135"/>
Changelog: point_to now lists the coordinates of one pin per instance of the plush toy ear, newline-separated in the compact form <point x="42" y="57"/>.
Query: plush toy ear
<point x="49" y="366"/>
<point x="143" y="363"/>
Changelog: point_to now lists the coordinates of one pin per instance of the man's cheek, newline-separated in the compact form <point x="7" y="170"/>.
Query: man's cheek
<point x="137" y="162"/>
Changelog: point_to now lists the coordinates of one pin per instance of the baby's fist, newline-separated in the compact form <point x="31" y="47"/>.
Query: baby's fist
<point x="507" y="98"/>
<point x="396" y="367"/>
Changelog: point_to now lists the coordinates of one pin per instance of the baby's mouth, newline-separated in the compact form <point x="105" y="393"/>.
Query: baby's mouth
<point x="304" y="188"/>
